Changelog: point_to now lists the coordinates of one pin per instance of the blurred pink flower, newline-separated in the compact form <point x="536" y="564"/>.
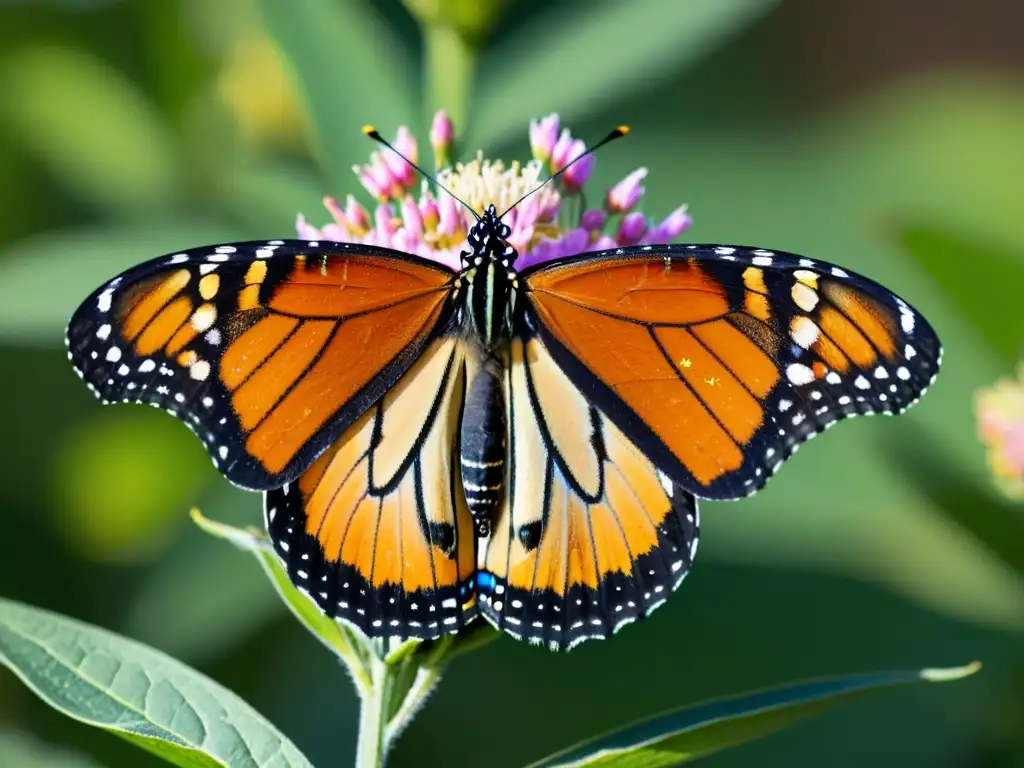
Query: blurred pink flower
<point x="1000" y="413"/>
<point x="543" y="136"/>
<point x="627" y="193"/>
<point x="442" y="135"/>
<point x="434" y="226"/>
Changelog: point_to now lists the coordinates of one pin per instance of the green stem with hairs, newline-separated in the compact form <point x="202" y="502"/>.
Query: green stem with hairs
<point x="371" y="751"/>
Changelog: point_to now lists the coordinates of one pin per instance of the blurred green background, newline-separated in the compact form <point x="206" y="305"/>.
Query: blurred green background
<point x="885" y="136"/>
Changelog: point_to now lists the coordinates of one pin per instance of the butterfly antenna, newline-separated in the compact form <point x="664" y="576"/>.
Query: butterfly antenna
<point x="618" y="133"/>
<point x="369" y="130"/>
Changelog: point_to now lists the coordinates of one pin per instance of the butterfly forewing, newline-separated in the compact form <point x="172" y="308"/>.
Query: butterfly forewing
<point x="266" y="350"/>
<point x="719" y="361"/>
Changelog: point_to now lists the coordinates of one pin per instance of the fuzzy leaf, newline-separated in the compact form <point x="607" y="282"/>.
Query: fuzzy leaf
<point x="138" y="693"/>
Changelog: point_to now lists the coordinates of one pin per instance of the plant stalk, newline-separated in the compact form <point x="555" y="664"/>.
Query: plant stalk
<point x="449" y="66"/>
<point x="371" y="751"/>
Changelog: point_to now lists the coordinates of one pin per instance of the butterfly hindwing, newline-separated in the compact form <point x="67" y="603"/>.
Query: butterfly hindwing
<point x="590" y="535"/>
<point x="377" y="531"/>
<point x="718" y="361"/>
<point x="266" y="350"/>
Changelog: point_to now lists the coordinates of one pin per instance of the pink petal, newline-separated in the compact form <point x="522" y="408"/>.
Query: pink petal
<point x="305" y="230"/>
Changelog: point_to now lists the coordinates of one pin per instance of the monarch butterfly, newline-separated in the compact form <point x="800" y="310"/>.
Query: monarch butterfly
<point x="435" y="444"/>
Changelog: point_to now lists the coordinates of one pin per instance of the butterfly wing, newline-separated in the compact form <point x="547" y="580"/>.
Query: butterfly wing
<point x="590" y="535"/>
<point x="266" y="350"/>
<point x="377" y="530"/>
<point x="719" y="361"/>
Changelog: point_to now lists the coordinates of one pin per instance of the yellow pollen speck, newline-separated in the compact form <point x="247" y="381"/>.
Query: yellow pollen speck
<point x="685" y="362"/>
<point x="712" y="382"/>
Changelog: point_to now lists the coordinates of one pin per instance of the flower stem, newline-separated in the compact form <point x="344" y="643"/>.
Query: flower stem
<point x="371" y="751"/>
<point x="450" y="61"/>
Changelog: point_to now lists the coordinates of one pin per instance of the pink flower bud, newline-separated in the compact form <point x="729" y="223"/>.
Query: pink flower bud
<point x="543" y="135"/>
<point x="403" y="173"/>
<point x="304" y="230"/>
<point x="356" y="217"/>
<point x="631" y="228"/>
<point x="562" y="152"/>
<point x="369" y="177"/>
<point x="549" y="208"/>
<point x="384" y="225"/>
<point x="335" y="210"/>
<point x="429" y="213"/>
<point x="442" y="134"/>
<point x="593" y="219"/>
<point x="448" y="215"/>
<point x="412" y="222"/>
<point x="624" y="195"/>
<point x="578" y="173"/>
<point x="574" y="242"/>
<point x="672" y="227"/>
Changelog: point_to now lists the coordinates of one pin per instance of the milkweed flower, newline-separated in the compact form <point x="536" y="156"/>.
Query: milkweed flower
<point x="1000" y="413"/>
<point x="627" y="193"/>
<point x="442" y="135"/>
<point x="433" y="225"/>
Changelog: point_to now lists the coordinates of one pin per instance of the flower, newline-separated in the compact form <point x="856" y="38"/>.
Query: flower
<point x="442" y="135"/>
<point x="627" y="193"/>
<point x="543" y="135"/>
<point x="1000" y="413"/>
<point x="434" y="225"/>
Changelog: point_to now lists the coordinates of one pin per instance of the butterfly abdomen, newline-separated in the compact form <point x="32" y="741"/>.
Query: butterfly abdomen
<point x="483" y="444"/>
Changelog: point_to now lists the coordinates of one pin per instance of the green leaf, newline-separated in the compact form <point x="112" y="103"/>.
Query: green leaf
<point x="571" y="62"/>
<point x="91" y="127"/>
<point x="137" y="692"/>
<point x="981" y="292"/>
<point x="677" y="737"/>
<point x="44" y="278"/>
<point x="335" y="635"/>
<point x="345" y="67"/>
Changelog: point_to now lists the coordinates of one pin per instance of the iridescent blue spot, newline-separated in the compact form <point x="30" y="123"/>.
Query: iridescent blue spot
<point x="485" y="580"/>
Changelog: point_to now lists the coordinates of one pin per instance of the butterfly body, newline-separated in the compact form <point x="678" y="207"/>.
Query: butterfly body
<point x="527" y="446"/>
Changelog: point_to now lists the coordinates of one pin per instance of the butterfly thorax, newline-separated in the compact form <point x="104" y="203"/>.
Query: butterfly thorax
<point x="490" y="280"/>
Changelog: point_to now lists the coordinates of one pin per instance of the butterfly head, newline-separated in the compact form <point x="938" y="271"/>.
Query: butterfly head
<point x="488" y="241"/>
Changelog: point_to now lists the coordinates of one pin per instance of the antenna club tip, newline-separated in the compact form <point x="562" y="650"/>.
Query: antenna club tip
<point x="369" y="130"/>
<point x="622" y="130"/>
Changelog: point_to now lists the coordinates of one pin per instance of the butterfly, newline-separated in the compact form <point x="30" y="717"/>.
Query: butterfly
<point x="529" y="446"/>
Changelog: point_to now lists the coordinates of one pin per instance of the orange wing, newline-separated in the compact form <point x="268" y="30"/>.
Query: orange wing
<point x="590" y="535"/>
<point x="719" y="361"/>
<point x="377" y="531"/>
<point x="268" y="351"/>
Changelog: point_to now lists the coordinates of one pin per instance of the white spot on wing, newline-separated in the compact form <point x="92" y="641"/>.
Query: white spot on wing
<point x="799" y="374"/>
